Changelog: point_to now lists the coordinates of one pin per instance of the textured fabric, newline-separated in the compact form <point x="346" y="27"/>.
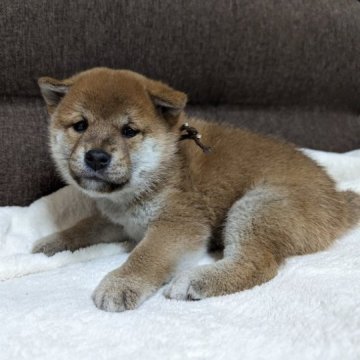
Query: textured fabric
<point x="26" y="171"/>
<point x="257" y="56"/>
<point x="229" y="51"/>
<point x="310" y="310"/>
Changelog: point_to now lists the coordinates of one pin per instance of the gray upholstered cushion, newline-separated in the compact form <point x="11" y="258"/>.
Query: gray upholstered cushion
<point x="250" y="52"/>
<point x="26" y="171"/>
<point x="263" y="64"/>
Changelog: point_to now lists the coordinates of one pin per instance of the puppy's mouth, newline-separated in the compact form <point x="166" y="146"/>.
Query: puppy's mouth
<point x="98" y="183"/>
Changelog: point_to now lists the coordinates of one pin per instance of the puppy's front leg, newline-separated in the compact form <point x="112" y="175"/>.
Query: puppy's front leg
<point x="90" y="231"/>
<point x="152" y="262"/>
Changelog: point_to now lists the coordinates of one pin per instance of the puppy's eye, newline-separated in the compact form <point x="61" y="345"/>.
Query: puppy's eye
<point x="129" y="132"/>
<point x="80" y="126"/>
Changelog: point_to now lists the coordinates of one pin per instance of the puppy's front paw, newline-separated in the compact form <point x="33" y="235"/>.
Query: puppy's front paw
<point x="117" y="292"/>
<point x="50" y="245"/>
<point x="190" y="285"/>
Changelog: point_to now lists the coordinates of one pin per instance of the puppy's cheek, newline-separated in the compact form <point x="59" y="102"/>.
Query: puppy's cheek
<point x="59" y="145"/>
<point x="58" y="139"/>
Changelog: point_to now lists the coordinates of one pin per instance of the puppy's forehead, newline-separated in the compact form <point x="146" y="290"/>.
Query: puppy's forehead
<point x="107" y="93"/>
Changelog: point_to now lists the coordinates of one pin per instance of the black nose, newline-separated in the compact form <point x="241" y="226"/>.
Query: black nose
<point x="97" y="159"/>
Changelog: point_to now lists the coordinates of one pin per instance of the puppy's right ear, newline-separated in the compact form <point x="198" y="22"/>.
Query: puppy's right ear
<point x="53" y="91"/>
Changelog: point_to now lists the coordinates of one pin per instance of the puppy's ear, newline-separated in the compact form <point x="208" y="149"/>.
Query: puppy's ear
<point x="170" y="102"/>
<point x="53" y="91"/>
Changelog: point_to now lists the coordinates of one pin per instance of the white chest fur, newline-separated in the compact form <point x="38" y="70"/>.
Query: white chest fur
<point x="134" y="218"/>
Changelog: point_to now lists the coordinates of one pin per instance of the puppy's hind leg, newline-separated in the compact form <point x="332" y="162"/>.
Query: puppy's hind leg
<point x="253" y="236"/>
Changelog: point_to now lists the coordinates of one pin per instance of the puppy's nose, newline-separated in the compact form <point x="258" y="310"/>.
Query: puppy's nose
<point x="97" y="159"/>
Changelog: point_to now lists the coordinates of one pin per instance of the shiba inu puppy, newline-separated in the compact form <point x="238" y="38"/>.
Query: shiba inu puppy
<point x="115" y="136"/>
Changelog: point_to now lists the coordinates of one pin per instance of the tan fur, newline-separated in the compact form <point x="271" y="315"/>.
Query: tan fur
<point x="87" y="232"/>
<point x="260" y="199"/>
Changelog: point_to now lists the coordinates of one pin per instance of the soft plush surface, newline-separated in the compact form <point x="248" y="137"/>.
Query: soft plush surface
<point x="311" y="310"/>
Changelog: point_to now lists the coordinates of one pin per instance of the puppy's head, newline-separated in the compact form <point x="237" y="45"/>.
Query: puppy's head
<point x="111" y="129"/>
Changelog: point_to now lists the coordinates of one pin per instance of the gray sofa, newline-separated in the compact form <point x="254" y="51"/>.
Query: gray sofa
<point x="289" y="68"/>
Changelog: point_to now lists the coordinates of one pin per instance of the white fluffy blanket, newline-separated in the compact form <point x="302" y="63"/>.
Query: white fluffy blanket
<point x="311" y="310"/>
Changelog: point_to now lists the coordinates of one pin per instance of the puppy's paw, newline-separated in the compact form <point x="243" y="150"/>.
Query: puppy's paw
<point x="189" y="285"/>
<point x="117" y="292"/>
<point x="50" y="245"/>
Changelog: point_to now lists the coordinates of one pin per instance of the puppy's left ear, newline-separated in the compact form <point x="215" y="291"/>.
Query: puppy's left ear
<point x="170" y="102"/>
<point x="53" y="91"/>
